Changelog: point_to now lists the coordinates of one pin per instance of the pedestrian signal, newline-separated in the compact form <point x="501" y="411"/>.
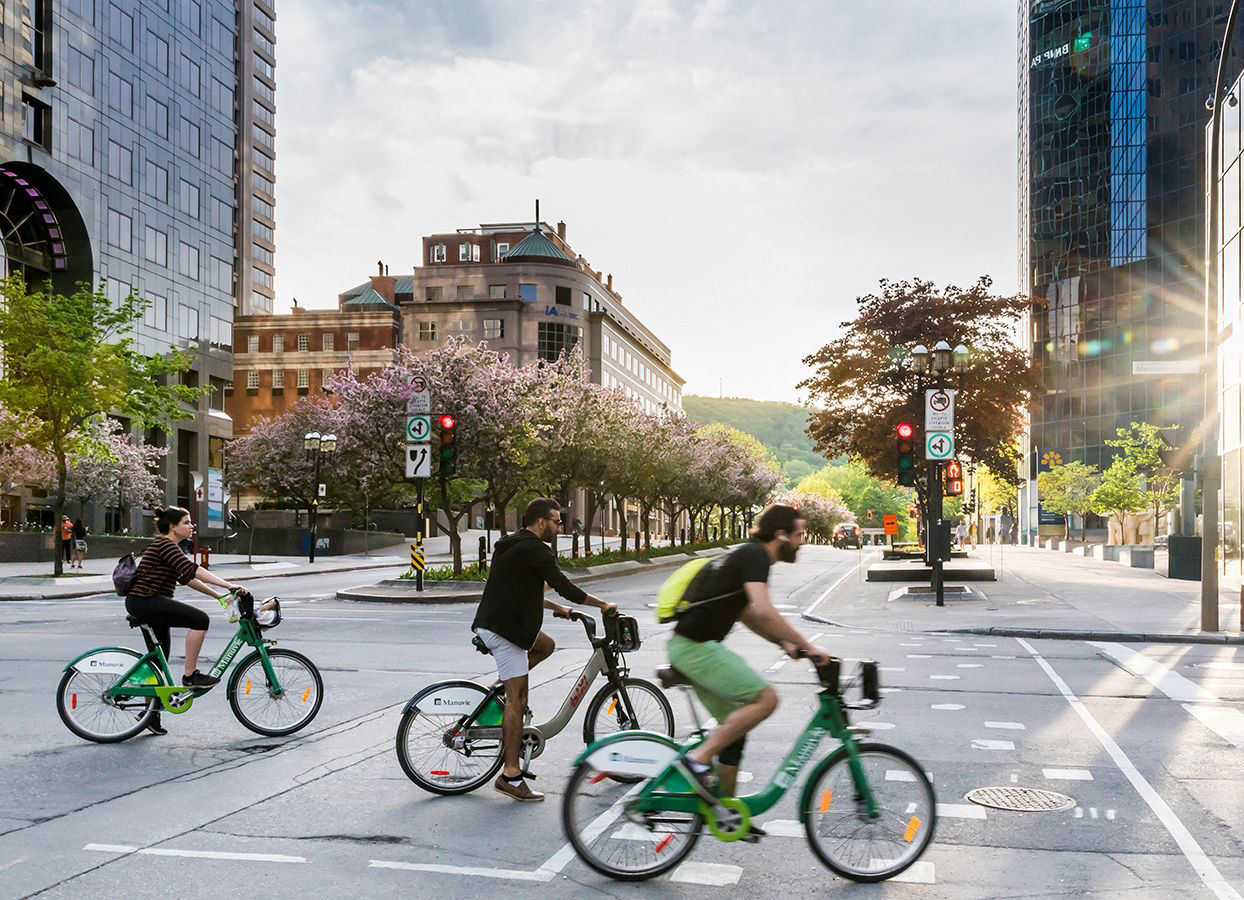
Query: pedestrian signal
<point x="905" y="449"/>
<point x="449" y="445"/>
<point x="954" y="478"/>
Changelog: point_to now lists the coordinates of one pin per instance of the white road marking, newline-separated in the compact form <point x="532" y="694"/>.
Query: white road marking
<point x="1079" y="813"/>
<point x="744" y="777"/>
<point x="947" y="706"/>
<point x="969" y="665"/>
<point x="783" y="828"/>
<point x="714" y="874"/>
<point x="196" y="854"/>
<point x="890" y="690"/>
<point x="960" y="811"/>
<point x="1192" y="851"/>
<point x="1067" y="774"/>
<point x="944" y="677"/>
<point x="777" y="665"/>
<point x="919" y="872"/>
<point x="891" y="669"/>
<point x="911" y="645"/>
<point x="833" y="587"/>
<point x="474" y="872"/>
<point x="1110" y="814"/>
<point x="1001" y="656"/>
<point x="878" y="726"/>
<point x="899" y="775"/>
<point x="985" y="645"/>
<point x="984" y="744"/>
<point x="1014" y="778"/>
<point x="632" y="832"/>
<point x="1013" y="726"/>
<point x="1172" y="684"/>
<point x="1228" y="724"/>
<point x="919" y="656"/>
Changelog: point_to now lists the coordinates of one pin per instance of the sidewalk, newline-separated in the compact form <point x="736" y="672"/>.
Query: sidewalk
<point x="1040" y="593"/>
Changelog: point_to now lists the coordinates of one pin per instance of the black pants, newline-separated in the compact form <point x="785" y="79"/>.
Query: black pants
<point x="163" y="613"/>
<point x="67" y="548"/>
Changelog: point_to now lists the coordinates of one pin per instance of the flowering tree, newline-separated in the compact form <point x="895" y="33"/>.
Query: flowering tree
<point x="19" y="462"/>
<point x="107" y="468"/>
<point x="822" y="513"/>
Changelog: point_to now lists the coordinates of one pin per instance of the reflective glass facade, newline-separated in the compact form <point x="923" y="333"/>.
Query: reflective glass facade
<point x="1231" y="341"/>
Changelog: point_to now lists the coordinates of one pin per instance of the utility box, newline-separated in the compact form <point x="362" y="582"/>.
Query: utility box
<point x="1180" y="558"/>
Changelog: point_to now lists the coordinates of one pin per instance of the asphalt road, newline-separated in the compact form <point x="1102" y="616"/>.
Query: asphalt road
<point x="1148" y="741"/>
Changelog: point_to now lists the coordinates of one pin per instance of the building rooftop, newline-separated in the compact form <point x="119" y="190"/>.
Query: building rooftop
<point x="368" y="297"/>
<point x="537" y="247"/>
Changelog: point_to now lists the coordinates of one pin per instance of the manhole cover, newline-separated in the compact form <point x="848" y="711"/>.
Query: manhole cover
<point x="1020" y="799"/>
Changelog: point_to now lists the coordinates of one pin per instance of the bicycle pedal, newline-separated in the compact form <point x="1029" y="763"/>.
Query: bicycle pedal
<point x="529" y="775"/>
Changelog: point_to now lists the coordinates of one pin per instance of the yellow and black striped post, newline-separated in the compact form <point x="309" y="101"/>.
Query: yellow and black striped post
<point x="416" y="558"/>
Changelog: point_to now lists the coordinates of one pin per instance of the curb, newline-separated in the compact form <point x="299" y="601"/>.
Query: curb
<point x="1059" y="634"/>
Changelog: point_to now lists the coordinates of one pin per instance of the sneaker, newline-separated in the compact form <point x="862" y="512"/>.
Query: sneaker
<point x="154" y="725"/>
<point x="703" y="783"/>
<point x="754" y="834"/>
<point x="197" y="679"/>
<point x="521" y="791"/>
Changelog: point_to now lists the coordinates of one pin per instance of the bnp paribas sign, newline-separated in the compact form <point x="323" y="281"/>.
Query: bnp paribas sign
<point x="1079" y="45"/>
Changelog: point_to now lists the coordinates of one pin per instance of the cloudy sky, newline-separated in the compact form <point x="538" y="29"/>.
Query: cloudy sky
<point x="745" y="169"/>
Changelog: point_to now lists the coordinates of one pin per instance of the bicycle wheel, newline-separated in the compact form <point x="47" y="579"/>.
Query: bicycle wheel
<point x="87" y="711"/>
<point x="267" y="712"/>
<point x="843" y="835"/>
<point x="614" y="842"/>
<point x="606" y="714"/>
<point x="426" y="746"/>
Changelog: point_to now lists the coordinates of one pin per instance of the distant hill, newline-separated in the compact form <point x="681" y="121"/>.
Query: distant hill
<point x="779" y="426"/>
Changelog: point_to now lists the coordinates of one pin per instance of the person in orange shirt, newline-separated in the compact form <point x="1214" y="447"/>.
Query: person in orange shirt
<point x="66" y="537"/>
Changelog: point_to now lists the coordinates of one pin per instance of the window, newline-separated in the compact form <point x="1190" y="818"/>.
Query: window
<point x="222" y="215"/>
<point x="262" y="136"/>
<point x="156" y="313"/>
<point x="262" y="183"/>
<point x="324" y="376"/>
<point x="327" y="342"/>
<point x="432" y="293"/>
<point x="81" y="142"/>
<point x="188" y="322"/>
<point x="189" y="74"/>
<point x="304" y="343"/>
<point x="120" y="162"/>
<point x="155" y="180"/>
<point x="81" y="70"/>
<point x="461" y="326"/>
<point x="36" y="122"/>
<point x="264" y="44"/>
<point x="496" y="292"/>
<point x="188" y="260"/>
<point x="427" y="331"/>
<point x="252" y="380"/>
<point x="265" y="20"/>
<point x="120" y="230"/>
<point x="527" y="293"/>
<point x="465" y="292"/>
<point x="278" y="343"/>
<point x="262" y="231"/>
<point x="264" y="67"/>
<point x="116" y="290"/>
<point x="263" y="207"/>
<point x="221" y="97"/>
<point x="120" y="95"/>
<point x="121" y="27"/>
<point x="494" y="328"/>
<point x="188" y="137"/>
<point x="188" y="198"/>
<point x="555" y="338"/>
<point x="157" y="52"/>
<point x="352" y="340"/>
<point x="261" y="277"/>
<point x="464" y="253"/>
<point x="263" y="89"/>
<point x="278" y="379"/>
<point x="263" y="254"/>
<point x="500" y="252"/>
<point x="157" y="117"/>
<point x="263" y="114"/>
<point x="155" y="246"/>
<point x="222" y="38"/>
<point x="192" y="15"/>
<point x="562" y="295"/>
<point x="436" y="253"/>
<point x="83" y="9"/>
<point x="222" y="156"/>
<point x="222" y="274"/>
<point x="304" y="379"/>
<point x="252" y="343"/>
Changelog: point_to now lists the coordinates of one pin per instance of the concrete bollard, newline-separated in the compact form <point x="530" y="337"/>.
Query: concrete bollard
<point x="574" y="545"/>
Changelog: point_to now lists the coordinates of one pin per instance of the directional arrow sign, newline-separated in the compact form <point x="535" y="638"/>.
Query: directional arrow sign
<point x="939" y="445"/>
<point x="418" y="428"/>
<point x="418" y="460"/>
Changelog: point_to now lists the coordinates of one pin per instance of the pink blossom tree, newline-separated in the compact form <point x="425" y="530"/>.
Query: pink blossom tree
<point x="107" y="468"/>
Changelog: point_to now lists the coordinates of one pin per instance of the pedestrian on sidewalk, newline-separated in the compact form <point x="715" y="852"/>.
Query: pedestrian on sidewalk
<point x="972" y="535"/>
<point x="79" y="544"/>
<point x="989" y="534"/>
<point x="66" y="538"/>
<point x="961" y="532"/>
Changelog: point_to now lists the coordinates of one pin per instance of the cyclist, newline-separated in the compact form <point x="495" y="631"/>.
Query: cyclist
<point x="508" y="622"/>
<point x="150" y="599"/>
<point x="735" y="588"/>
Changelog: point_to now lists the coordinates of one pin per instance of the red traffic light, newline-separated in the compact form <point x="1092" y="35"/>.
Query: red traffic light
<point x="905" y="430"/>
<point x="447" y="421"/>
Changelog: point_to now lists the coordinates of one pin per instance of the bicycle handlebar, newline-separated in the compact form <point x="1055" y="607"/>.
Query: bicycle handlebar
<point x="828" y="674"/>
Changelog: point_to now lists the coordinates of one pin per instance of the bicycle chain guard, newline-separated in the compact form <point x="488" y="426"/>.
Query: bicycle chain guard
<point x="166" y="695"/>
<point x="732" y="829"/>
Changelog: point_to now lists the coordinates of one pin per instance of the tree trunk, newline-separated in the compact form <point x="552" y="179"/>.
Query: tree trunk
<point x="1084" y="527"/>
<point x="1066" y="526"/>
<point x="590" y="505"/>
<point x="62" y="474"/>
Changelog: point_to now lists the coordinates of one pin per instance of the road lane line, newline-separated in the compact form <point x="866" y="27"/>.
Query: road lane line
<point x="196" y="854"/>
<point x="1067" y="774"/>
<point x="1227" y="723"/>
<point x="712" y="874"/>
<point x="985" y="744"/>
<point x="1172" y="684"/>
<point x="1014" y="726"/>
<point x="511" y="874"/>
<point x="1192" y="851"/>
<point x="833" y="587"/>
<point x="960" y="811"/>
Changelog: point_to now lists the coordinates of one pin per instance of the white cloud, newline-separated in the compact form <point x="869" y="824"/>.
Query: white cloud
<point x="744" y="169"/>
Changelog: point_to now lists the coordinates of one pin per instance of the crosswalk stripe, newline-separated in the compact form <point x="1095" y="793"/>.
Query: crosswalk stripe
<point x="714" y="874"/>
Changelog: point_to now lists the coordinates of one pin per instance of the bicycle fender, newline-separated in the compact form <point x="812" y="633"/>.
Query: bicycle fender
<point x="111" y="659"/>
<point x="446" y="696"/>
<point x="640" y="753"/>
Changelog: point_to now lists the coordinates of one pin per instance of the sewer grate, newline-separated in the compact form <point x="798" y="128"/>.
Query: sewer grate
<point x="946" y="589"/>
<point x="1020" y="799"/>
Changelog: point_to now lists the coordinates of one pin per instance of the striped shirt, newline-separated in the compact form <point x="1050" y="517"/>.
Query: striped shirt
<point x="163" y="566"/>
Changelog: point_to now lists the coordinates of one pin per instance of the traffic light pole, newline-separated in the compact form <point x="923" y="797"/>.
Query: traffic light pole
<point x="419" y="535"/>
<point x="935" y="532"/>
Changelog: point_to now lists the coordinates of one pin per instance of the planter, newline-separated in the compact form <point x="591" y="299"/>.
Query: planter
<point x="1138" y="557"/>
<point x="1180" y="559"/>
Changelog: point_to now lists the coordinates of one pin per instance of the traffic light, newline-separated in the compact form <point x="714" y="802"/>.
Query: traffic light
<point x="905" y="447"/>
<point x="972" y="501"/>
<point x="954" y="479"/>
<point x="449" y="445"/>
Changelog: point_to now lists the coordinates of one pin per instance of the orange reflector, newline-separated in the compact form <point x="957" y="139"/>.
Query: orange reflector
<point x="912" y="827"/>
<point x="599" y="778"/>
<point x="665" y="842"/>
<point x="306" y="695"/>
<point x="248" y="685"/>
<point x="613" y="704"/>
<point x="435" y="772"/>
<point x="73" y="702"/>
<point x="825" y="798"/>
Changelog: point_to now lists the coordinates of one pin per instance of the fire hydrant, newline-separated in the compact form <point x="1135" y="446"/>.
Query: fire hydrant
<point x="206" y="553"/>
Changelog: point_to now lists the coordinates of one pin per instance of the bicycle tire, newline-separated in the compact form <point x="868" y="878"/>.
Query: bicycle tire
<point x="414" y="768"/>
<point x="290" y="694"/>
<point x="97" y="687"/>
<point x="590" y="735"/>
<point x="918" y="787"/>
<point x="587" y="853"/>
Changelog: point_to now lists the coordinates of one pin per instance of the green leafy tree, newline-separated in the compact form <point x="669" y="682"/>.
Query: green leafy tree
<point x="860" y="492"/>
<point x="71" y="358"/>
<point x="1144" y="451"/>
<point x="1119" y="493"/>
<point x="1068" y="490"/>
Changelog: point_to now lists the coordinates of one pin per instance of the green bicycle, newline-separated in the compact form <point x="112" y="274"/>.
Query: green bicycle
<point x="108" y="694"/>
<point x="868" y="809"/>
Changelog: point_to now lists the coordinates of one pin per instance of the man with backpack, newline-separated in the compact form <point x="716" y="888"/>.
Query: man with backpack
<point x="734" y="588"/>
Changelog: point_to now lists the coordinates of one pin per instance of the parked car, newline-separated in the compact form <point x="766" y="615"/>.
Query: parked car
<point x="848" y="534"/>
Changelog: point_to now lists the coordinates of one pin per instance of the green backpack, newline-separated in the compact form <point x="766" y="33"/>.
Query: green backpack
<point x="670" y="602"/>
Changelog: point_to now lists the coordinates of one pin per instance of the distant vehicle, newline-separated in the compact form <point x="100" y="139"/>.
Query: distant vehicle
<point x="848" y="534"/>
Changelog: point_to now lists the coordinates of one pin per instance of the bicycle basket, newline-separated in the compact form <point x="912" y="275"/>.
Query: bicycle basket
<point x="266" y="614"/>
<point x="623" y="631"/>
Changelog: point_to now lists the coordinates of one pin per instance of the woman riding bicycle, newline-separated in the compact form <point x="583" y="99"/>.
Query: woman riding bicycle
<point x="150" y="598"/>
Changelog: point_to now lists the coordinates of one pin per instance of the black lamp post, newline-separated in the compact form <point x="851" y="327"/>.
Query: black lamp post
<point x="318" y="447"/>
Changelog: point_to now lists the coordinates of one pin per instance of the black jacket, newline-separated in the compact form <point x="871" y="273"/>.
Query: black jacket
<point x="513" y="601"/>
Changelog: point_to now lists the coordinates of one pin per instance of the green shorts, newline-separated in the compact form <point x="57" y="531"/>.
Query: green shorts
<point x="719" y="676"/>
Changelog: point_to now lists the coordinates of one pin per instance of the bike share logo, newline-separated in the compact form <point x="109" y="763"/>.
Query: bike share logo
<point x="227" y="657"/>
<point x="441" y="701"/>
<point x="615" y="756"/>
<point x="787" y="775"/>
<point x="106" y="664"/>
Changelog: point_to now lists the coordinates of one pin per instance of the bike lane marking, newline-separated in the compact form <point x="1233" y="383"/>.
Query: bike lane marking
<point x="833" y="587"/>
<point x="196" y="854"/>
<point x="1197" y="858"/>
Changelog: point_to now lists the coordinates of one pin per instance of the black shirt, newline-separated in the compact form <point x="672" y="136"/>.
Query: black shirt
<point x="513" y="601"/>
<point x="724" y="577"/>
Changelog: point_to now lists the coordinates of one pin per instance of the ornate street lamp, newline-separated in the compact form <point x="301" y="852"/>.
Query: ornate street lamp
<point x="319" y="447"/>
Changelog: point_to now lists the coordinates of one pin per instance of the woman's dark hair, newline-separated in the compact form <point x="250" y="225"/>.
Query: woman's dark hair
<point x="166" y="518"/>
<point x="540" y="508"/>
<point x="776" y="517"/>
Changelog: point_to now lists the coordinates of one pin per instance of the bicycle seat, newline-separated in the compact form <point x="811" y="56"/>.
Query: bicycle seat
<point x="671" y="677"/>
<point x="478" y="643"/>
<point x="134" y="623"/>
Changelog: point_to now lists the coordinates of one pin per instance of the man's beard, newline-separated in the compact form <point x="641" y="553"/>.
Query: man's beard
<point x="787" y="551"/>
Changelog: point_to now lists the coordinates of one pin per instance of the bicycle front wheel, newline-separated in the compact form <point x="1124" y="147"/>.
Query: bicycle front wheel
<point x="607" y="713"/>
<point x="86" y="709"/>
<point x="845" y="836"/>
<point x="261" y="708"/>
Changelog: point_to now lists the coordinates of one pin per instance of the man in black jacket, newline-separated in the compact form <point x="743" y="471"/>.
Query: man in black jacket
<point x="509" y="618"/>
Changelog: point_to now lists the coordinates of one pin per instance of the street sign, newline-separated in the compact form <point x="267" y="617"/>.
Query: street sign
<point x="890" y="523"/>
<point x="939" y="445"/>
<point x="418" y="460"/>
<point x="323" y="491"/>
<point x="418" y="429"/>
<point x="420" y="400"/>
<point x="939" y="411"/>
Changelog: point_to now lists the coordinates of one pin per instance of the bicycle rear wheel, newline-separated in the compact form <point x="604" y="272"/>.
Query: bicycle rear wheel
<point x="87" y="711"/>
<point x="267" y="712"/>
<point x="845" y="837"/>
<point x="432" y="753"/>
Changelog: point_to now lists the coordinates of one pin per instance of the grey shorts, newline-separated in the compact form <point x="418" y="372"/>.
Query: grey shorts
<point x="511" y="658"/>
